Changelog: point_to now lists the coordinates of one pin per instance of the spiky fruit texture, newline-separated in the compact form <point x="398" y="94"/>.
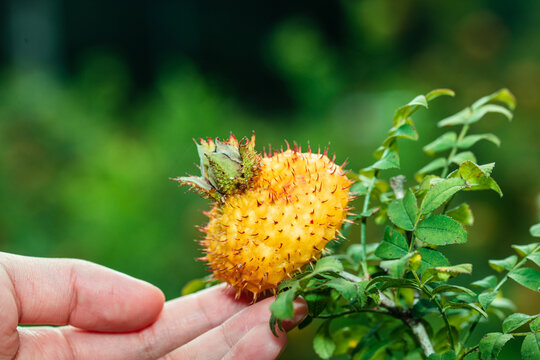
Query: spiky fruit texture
<point x="282" y="221"/>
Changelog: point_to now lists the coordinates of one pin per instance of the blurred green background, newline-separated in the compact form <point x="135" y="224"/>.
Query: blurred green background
<point x="99" y="102"/>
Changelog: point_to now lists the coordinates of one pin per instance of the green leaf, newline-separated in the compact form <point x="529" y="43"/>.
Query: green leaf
<point x="486" y="298"/>
<point x="524" y="250"/>
<point x="489" y="282"/>
<point x="393" y="246"/>
<point x="282" y="307"/>
<point x="328" y="264"/>
<point x="323" y="344"/>
<point x="469" y="141"/>
<point x="535" y="324"/>
<point x="503" y="95"/>
<point x="444" y="142"/>
<point x="427" y="182"/>
<point x="431" y="259"/>
<point x="375" y="349"/>
<point x="443" y="273"/>
<point x="440" y="193"/>
<point x="490" y="108"/>
<point x="405" y="111"/>
<point x="535" y="258"/>
<point x="449" y="355"/>
<point x="462" y="214"/>
<point x="272" y="322"/>
<point x="440" y="230"/>
<point x="530" y="349"/>
<point x="385" y="282"/>
<point x="477" y="178"/>
<point x="402" y="114"/>
<point x="459" y="118"/>
<point x="346" y="288"/>
<point x="316" y="302"/>
<point x="389" y="160"/>
<point x="487" y="168"/>
<point x="402" y="212"/>
<point x="436" y="164"/>
<point x="439" y="92"/>
<point x="492" y="344"/>
<point x="462" y="157"/>
<point x="396" y="267"/>
<point x="527" y="277"/>
<point x="471" y="306"/>
<point x="504" y="264"/>
<point x="515" y="321"/>
<point x="453" y="288"/>
<point x="535" y="230"/>
<point x="475" y="355"/>
<point x="405" y="131"/>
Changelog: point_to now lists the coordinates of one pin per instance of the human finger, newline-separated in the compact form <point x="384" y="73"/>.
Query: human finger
<point x="219" y="341"/>
<point x="181" y="320"/>
<point x="259" y="343"/>
<point x="80" y="293"/>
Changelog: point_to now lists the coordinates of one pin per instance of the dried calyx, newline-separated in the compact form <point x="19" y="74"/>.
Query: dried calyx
<point x="227" y="167"/>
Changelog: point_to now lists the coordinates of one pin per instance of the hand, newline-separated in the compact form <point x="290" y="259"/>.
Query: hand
<point x="112" y="316"/>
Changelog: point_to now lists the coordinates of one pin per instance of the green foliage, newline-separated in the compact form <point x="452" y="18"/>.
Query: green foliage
<point x="403" y="211"/>
<point x="492" y="344"/>
<point x="440" y="230"/>
<point x="393" y="246"/>
<point x="402" y="284"/>
<point x="527" y="277"/>
<point x="515" y="321"/>
<point x="530" y="349"/>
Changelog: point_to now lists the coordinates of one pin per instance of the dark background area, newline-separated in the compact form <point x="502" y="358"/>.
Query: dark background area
<point x="99" y="102"/>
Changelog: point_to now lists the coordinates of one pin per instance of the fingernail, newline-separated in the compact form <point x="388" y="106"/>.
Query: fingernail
<point x="300" y="313"/>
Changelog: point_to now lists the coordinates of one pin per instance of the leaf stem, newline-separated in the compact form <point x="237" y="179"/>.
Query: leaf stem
<point x="410" y="237"/>
<point x="363" y="224"/>
<point x="461" y="135"/>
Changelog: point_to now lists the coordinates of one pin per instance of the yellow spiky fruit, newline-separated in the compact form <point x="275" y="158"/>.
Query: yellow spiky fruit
<point x="293" y="205"/>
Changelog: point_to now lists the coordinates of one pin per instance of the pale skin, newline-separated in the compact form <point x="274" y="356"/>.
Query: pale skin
<point x="108" y="315"/>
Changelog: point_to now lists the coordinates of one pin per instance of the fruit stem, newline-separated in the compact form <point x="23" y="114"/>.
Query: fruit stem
<point x="363" y="225"/>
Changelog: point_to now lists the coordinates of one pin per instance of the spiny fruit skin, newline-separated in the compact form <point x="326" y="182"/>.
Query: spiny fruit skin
<point x="290" y="210"/>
